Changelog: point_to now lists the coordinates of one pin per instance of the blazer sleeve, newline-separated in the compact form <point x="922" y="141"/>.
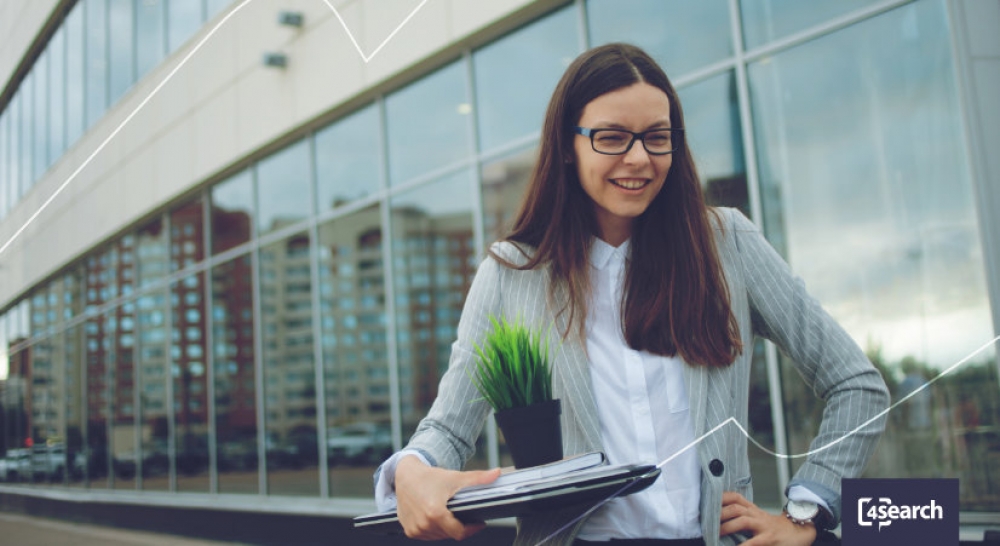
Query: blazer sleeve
<point x="826" y="357"/>
<point x="449" y="431"/>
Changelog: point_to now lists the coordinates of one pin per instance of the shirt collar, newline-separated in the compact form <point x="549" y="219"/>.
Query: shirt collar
<point x="603" y="255"/>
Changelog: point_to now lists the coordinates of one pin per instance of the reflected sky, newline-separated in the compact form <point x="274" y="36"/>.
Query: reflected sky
<point x="767" y="20"/>
<point x="865" y="184"/>
<point x="681" y="35"/>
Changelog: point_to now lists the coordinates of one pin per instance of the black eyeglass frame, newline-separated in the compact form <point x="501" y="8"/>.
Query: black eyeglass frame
<point x="676" y="135"/>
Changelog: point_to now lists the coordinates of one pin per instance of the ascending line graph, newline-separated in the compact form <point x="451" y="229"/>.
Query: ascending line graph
<point x="194" y="50"/>
<point x="732" y="421"/>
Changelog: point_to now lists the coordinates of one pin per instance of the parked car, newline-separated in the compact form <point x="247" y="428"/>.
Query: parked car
<point x="48" y="462"/>
<point x="16" y="465"/>
<point x="358" y="443"/>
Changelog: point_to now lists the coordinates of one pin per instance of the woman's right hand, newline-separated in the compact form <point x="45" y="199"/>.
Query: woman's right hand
<point x="422" y="494"/>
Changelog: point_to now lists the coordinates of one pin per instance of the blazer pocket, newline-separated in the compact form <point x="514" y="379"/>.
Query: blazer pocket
<point x="743" y="486"/>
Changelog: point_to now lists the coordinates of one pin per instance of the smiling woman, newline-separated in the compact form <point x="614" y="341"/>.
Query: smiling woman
<point x="655" y="297"/>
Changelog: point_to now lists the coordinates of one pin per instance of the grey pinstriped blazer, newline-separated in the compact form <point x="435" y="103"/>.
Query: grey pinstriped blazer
<point x="766" y="299"/>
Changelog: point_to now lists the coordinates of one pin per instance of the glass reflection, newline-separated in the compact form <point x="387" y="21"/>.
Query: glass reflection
<point x="516" y="75"/>
<point x="75" y="452"/>
<point x="712" y="117"/>
<point x="97" y="54"/>
<point x="434" y="261"/>
<point x="232" y="212"/>
<point x="356" y="366"/>
<point x="100" y="278"/>
<point x="682" y="36"/>
<point x="121" y="48"/>
<point x="153" y="316"/>
<point x="504" y="182"/>
<point x="150" y="44"/>
<point x="426" y="124"/>
<point x="75" y="75"/>
<point x="183" y="20"/>
<point x="189" y="383"/>
<point x="283" y="188"/>
<point x="235" y="376"/>
<point x="120" y="335"/>
<point x="867" y="186"/>
<point x="347" y="159"/>
<point x="289" y="367"/>
<point x="57" y="95"/>
<point x="767" y="20"/>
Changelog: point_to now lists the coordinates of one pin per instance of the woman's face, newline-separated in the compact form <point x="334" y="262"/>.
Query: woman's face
<point x="622" y="186"/>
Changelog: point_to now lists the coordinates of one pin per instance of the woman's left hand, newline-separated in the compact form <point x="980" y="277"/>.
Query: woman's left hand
<point x="739" y="514"/>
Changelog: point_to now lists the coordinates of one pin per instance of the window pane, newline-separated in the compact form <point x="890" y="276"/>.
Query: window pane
<point x="120" y="332"/>
<point x="347" y="159"/>
<point x="57" y="95"/>
<point x="213" y="7"/>
<point x="186" y="237"/>
<point x="283" y="187"/>
<point x="27" y="132"/>
<point x="40" y="153"/>
<point x="150" y="43"/>
<point x="504" y="183"/>
<point x="75" y="398"/>
<point x="120" y="19"/>
<point x="232" y="212"/>
<point x="5" y="163"/>
<point x="14" y="126"/>
<point x="433" y="264"/>
<point x="235" y="376"/>
<point x="767" y="20"/>
<point x="427" y="124"/>
<point x="97" y="59"/>
<point x="356" y="366"/>
<point x="75" y="82"/>
<point x="151" y="249"/>
<point x="184" y="20"/>
<point x="45" y="386"/>
<point x="99" y="353"/>
<point x="188" y="372"/>
<point x="515" y="76"/>
<point x="869" y="187"/>
<point x="712" y="117"/>
<point x="682" y="36"/>
<point x="289" y="367"/>
<point x="153" y="367"/>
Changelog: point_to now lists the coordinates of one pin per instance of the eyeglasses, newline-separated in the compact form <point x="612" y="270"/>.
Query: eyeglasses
<point x="620" y="141"/>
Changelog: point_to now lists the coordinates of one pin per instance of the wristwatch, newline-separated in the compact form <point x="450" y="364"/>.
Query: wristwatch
<point x="803" y="512"/>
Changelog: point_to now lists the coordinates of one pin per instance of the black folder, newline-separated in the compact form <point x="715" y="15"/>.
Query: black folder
<point x="584" y="487"/>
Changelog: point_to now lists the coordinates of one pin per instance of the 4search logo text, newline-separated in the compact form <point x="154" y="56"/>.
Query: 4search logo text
<point x="884" y="512"/>
<point x="899" y="511"/>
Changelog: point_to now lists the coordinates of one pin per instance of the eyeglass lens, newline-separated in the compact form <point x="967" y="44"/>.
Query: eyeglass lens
<point x="610" y="141"/>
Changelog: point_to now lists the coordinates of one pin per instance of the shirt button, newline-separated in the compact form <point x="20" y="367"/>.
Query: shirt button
<point x="716" y="467"/>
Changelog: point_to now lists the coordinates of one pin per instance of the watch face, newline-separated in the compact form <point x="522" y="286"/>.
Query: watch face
<point x="802" y="510"/>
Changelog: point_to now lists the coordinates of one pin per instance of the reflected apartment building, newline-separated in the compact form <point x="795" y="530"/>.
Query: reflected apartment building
<point x="249" y="290"/>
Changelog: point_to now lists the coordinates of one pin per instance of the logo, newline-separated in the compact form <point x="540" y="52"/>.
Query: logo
<point x="887" y="512"/>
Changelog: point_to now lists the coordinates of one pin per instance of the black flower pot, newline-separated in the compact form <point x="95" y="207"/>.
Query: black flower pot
<point x="533" y="433"/>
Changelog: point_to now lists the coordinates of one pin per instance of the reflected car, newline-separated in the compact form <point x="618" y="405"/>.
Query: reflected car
<point x="16" y="465"/>
<point x="358" y="443"/>
<point x="238" y="455"/>
<point x="48" y="462"/>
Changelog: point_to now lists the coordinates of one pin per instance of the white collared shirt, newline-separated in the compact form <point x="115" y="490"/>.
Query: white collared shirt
<point x="642" y="405"/>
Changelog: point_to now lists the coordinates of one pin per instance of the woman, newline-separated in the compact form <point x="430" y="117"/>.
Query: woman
<point x="658" y="298"/>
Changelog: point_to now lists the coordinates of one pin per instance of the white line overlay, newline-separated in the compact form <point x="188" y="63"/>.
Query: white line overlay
<point x="195" y="49"/>
<point x="732" y="420"/>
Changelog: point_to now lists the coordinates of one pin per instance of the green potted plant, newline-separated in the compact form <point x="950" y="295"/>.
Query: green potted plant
<point x="514" y="376"/>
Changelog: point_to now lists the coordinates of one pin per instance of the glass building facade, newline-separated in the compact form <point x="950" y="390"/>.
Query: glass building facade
<point x="280" y="330"/>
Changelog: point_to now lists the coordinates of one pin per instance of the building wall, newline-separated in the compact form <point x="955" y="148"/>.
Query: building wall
<point x="221" y="106"/>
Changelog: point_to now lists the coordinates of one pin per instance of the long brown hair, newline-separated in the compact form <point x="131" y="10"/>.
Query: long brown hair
<point x="675" y="299"/>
